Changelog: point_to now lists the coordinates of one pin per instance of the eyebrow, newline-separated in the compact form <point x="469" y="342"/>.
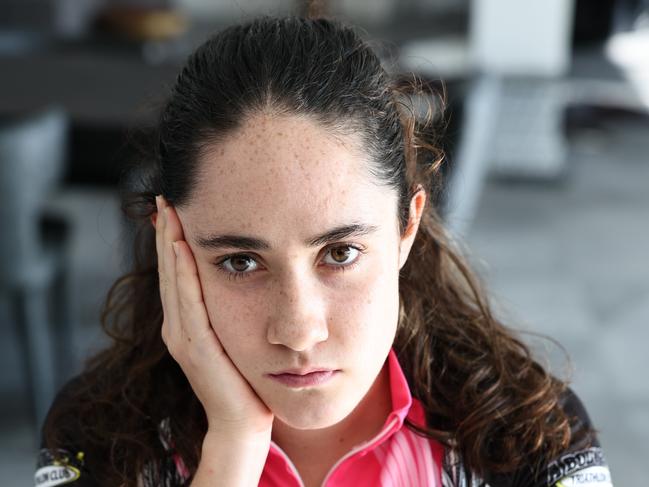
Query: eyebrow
<point x="216" y="242"/>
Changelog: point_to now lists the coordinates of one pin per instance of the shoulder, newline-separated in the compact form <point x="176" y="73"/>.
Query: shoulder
<point x="63" y="460"/>
<point x="582" y="463"/>
<point x="70" y="457"/>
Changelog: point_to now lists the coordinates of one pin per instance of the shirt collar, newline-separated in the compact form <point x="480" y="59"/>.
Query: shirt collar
<point x="404" y="406"/>
<point x="399" y="390"/>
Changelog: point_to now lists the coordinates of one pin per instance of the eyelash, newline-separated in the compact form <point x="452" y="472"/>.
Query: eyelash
<point x="244" y="275"/>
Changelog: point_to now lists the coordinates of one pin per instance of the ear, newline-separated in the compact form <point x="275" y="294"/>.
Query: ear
<point x="417" y="204"/>
<point x="154" y="219"/>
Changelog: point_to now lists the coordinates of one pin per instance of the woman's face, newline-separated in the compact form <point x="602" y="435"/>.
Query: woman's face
<point x="299" y="301"/>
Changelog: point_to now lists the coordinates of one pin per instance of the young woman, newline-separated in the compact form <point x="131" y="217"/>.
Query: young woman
<point x="296" y="314"/>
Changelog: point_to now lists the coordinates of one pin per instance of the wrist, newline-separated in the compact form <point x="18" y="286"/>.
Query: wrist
<point x="215" y="439"/>
<point x="235" y="460"/>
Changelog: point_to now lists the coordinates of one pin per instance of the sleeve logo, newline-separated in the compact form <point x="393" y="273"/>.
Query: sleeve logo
<point x="52" y="475"/>
<point x="589" y="477"/>
<point x="575" y="462"/>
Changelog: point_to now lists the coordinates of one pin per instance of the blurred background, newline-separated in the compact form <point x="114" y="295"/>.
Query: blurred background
<point x="547" y="177"/>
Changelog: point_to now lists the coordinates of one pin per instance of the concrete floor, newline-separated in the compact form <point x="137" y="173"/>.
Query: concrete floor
<point x="568" y="259"/>
<point x="571" y="261"/>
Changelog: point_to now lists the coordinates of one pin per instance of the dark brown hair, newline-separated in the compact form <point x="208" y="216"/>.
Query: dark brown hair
<point x="483" y="393"/>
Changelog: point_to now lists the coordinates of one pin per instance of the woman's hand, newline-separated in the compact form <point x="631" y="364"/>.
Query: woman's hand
<point x="232" y="407"/>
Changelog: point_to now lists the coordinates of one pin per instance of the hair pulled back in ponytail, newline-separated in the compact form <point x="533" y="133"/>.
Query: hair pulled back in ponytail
<point x="483" y="393"/>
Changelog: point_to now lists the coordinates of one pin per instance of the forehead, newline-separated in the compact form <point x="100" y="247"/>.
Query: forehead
<point x="281" y="173"/>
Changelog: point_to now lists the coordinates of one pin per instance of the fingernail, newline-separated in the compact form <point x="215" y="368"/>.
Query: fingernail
<point x="175" y="246"/>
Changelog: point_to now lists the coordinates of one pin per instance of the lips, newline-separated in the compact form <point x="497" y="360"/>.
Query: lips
<point x="305" y="371"/>
<point x="313" y="378"/>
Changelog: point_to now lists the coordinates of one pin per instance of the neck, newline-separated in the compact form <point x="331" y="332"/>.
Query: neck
<point x="364" y="422"/>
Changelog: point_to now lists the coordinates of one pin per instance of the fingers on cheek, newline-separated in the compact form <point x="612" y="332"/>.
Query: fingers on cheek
<point x="181" y="280"/>
<point x="189" y="289"/>
<point x="190" y="300"/>
<point x="160" y="226"/>
<point x="167" y="228"/>
<point x="168" y="295"/>
<point x="170" y="262"/>
<point x="173" y="226"/>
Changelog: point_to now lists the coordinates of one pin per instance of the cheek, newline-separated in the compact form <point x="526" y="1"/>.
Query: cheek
<point x="234" y="316"/>
<point x="371" y="306"/>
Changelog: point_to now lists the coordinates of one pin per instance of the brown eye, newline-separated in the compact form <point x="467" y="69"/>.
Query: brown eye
<point x="341" y="255"/>
<point x="238" y="264"/>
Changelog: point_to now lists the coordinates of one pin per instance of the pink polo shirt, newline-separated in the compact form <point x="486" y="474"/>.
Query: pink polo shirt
<point x="396" y="456"/>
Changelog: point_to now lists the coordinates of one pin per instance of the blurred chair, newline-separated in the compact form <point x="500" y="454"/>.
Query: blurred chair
<point x="33" y="264"/>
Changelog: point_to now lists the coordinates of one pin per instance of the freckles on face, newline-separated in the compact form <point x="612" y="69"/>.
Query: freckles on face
<point x="357" y="308"/>
<point x="362" y="311"/>
<point x="279" y="163"/>
<point x="234" y="316"/>
<point x="283" y="181"/>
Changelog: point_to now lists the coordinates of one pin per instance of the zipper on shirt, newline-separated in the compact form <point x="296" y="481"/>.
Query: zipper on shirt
<point x="386" y="431"/>
<point x="382" y="434"/>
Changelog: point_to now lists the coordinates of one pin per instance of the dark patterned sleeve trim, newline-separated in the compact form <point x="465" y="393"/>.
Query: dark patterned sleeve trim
<point x="584" y="468"/>
<point x="58" y="467"/>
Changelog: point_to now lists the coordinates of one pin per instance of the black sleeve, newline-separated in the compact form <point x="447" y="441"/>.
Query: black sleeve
<point x="582" y="463"/>
<point x="77" y="462"/>
<point x="65" y="463"/>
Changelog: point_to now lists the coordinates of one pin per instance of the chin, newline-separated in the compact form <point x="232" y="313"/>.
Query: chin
<point x="308" y="415"/>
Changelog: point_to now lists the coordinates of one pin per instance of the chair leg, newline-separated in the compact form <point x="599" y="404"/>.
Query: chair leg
<point x="32" y="322"/>
<point x="63" y="330"/>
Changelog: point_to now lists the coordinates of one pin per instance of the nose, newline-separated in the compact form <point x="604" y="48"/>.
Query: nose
<point x="299" y="321"/>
